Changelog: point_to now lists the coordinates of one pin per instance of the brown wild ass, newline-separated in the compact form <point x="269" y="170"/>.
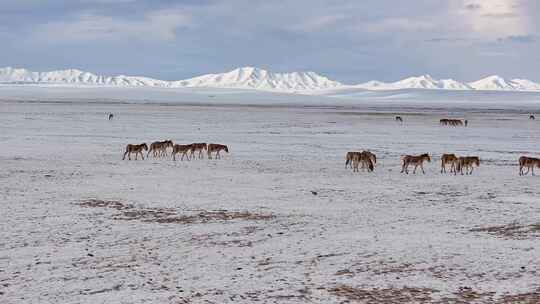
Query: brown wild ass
<point x="198" y="147"/>
<point x="216" y="148"/>
<point x="450" y="159"/>
<point x="417" y="161"/>
<point x="348" y="159"/>
<point x="468" y="163"/>
<point x="372" y="158"/>
<point x="529" y="163"/>
<point x="184" y="149"/>
<point x="356" y="160"/>
<point x="365" y="158"/>
<point x="159" y="148"/>
<point x="137" y="149"/>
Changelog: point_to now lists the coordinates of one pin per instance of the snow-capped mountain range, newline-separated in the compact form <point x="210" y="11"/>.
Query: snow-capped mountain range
<point x="244" y="78"/>
<point x="259" y="79"/>
<point x="491" y="83"/>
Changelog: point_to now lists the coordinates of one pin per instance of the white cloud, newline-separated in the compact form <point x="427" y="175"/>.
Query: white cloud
<point x="318" y="22"/>
<point x="106" y="1"/>
<point x="155" y="25"/>
<point x="495" y="18"/>
<point x="400" y="25"/>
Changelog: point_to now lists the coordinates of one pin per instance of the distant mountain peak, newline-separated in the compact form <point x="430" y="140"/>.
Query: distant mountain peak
<point x="494" y="77"/>
<point x="421" y="77"/>
<point x="255" y="78"/>
<point x="493" y="82"/>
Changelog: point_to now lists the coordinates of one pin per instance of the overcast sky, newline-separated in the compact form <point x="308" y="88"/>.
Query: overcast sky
<point x="350" y="41"/>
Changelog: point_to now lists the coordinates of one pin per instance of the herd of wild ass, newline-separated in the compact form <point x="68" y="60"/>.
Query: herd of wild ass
<point x="448" y="121"/>
<point x="365" y="160"/>
<point x="463" y="165"/>
<point x="453" y="122"/>
<point x="159" y="149"/>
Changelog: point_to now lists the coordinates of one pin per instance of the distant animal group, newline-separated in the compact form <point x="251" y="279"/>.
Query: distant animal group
<point x="462" y="164"/>
<point x="453" y="122"/>
<point x="160" y="149"/>
<point x="446" y="121"/>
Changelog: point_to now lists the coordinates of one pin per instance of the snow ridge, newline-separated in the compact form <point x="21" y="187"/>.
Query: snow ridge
<point x="73" y="76"/>
<point x="491" y="83"/>
<point x="246" y="77"/>
<point x="259" y="79"/>
<point x="254" y="78"/>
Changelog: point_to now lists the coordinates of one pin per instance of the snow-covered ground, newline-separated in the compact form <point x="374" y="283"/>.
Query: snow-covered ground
<point x="79" y="225"/>
<point x="348" y="97"/>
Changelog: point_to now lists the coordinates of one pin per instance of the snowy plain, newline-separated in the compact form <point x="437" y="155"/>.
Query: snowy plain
<point x="79" y="225"/>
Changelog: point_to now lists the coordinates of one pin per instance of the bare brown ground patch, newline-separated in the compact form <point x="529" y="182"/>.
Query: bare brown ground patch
<point x="95" y="203"/>
<point x="523" y="298"/>
<point x="367" y="295"/>
<point x="383" y="295"/>
<point x="469" y="295"/>
<point x="421" y="294"/>
<point x="388" y="267"/>
<point x="513" y="230"/>
<point x="464" y="295"/>
<point x="172" y="216"/>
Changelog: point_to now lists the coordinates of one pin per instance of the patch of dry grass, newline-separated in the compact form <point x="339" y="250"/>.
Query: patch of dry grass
<point x="464" y="295"/>
<point x="513" y="230"/>
<point x="171" y="216"/>
<point x="469" y="295"/>
<point x="522" y="298"/>
<point x="383" y="295"/>
<point x="95" y="203"/>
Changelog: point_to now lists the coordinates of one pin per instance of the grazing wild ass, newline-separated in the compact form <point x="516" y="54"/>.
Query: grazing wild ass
<point x="372" y="158"/>
<point x="111" y="116"/>
<point x="529" y="163"/>
<point x="532" y="117"/>
<point x="417" y="161"/>
<point x="137" y="149"/>
<point x="468" y="163"/>
<point x="365" y="158"/>
<point x="184" y="149"/>
<point x="200" y="147"/>
<point x="449" y="159"/>
<point x="399" y="119"/>
<point x="159" y="148"/>
<point x="348" y="159"/>
<point x="216" y="148"/>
